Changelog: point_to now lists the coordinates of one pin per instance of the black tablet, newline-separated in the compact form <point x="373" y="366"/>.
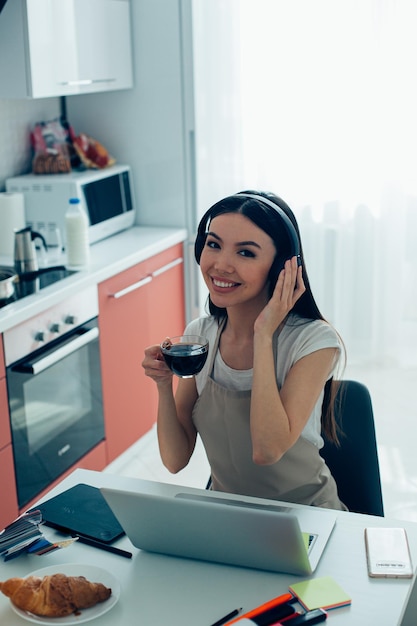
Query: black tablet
<point x="82" y="510"/>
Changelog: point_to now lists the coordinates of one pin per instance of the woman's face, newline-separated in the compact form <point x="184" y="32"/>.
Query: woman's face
<point x="236" y="260"/>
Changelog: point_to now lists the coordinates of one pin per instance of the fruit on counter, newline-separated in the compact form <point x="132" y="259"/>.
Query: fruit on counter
<point x="91" y="152"/>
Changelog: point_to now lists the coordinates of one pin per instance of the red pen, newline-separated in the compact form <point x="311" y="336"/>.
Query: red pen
<point x="285" y="597"/>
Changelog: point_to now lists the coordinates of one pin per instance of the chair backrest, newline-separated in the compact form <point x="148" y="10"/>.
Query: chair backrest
<point x="354" y="464"/>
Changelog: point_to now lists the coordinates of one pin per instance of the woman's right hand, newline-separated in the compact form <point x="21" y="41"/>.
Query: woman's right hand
<point x="288" y="290"/>
<point x="155" y="366"/>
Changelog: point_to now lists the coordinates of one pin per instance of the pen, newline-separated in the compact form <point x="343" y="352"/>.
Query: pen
<point x="53" y="546"/>
<point x="103" y="546"/>
<point x="285" y="597"/>
<point x="227" y="617"/>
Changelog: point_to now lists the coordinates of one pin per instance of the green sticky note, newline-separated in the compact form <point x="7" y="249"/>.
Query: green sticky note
<point x="324" y="593"/>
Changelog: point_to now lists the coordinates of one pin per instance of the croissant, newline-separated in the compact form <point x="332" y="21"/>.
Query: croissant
<point x="54" y="596"/>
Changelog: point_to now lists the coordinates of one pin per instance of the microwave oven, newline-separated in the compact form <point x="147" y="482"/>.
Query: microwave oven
<point x="105" y="195"/>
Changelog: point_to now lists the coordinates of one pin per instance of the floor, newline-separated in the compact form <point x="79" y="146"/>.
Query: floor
<point x="395" y="410"/>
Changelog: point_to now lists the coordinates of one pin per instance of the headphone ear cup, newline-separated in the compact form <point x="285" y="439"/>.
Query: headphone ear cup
<point x="275" y="270"/>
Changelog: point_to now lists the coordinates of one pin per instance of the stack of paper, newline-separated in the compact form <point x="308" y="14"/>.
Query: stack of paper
<point x="20" y="534"/>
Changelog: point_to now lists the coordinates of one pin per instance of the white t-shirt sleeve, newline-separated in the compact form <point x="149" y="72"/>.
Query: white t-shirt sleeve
<point x="300" y="340"/>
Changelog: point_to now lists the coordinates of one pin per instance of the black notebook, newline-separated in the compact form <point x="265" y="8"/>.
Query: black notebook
<point x="82" y="510"/>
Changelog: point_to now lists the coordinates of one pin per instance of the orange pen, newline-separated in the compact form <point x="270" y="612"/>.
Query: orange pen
<point x="285" y="597"/>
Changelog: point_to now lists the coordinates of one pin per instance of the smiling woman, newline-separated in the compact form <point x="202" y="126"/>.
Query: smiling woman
<point x="234" y="265"/>
<point x="257" y="403"/>
<point x="277" y="227"/>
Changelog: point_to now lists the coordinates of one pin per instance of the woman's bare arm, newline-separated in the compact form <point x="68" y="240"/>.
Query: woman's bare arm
<point x="175" y="428"/>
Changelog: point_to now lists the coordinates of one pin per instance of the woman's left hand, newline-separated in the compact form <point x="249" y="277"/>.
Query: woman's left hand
<point x="288" y="289"/>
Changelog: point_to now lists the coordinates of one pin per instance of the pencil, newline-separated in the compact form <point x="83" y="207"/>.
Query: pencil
<point x="227" y="617"/>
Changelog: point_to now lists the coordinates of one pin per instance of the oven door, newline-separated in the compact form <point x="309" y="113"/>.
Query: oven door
<point x="56" y="408"/>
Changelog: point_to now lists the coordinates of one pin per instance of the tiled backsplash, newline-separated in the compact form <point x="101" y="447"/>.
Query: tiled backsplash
<point x="17" y="118"/>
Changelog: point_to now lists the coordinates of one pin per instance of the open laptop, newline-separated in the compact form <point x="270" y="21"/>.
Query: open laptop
<point x="409" y="612"/>
<point x="210" y="526"/>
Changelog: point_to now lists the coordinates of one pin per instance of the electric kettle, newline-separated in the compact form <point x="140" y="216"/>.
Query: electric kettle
<point x="25" y="259"/>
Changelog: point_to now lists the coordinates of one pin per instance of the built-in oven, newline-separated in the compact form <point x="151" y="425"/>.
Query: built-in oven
<point x="54" y="390"/>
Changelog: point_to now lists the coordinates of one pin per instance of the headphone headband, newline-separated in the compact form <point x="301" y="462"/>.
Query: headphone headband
<point x="295" y="242"/>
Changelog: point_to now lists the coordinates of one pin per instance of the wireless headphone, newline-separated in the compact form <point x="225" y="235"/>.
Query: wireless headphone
<point x="292" y="233"/>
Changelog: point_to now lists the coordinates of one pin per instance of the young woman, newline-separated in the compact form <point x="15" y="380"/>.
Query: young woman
<point x="257" y="404"/>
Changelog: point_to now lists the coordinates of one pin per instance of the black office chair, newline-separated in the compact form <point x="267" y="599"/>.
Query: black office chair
<point x="354" y="464"/>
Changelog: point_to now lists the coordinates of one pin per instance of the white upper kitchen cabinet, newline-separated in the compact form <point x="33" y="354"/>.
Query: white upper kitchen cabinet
<point x="64" y="47"/>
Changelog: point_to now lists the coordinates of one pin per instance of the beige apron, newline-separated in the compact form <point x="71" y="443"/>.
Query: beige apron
<point x="221" y="416"/>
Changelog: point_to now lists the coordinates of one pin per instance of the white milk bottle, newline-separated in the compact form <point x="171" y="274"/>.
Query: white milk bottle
<point x="76" y="231"/>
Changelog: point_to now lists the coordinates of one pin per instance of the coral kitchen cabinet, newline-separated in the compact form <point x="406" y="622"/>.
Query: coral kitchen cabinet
<point x="138" y="307"/>
<point x="9" y="507"/>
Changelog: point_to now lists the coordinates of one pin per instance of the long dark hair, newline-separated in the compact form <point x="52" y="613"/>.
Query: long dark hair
<point x="270" y="221"/>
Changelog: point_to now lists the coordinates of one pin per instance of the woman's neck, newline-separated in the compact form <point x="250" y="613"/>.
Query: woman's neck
<point x="239" y="326"/>
<point x="241" y="319"/>
<point x="240" y="323"/>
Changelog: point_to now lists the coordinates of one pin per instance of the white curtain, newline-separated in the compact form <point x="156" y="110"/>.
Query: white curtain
<point x="329" y="110"/>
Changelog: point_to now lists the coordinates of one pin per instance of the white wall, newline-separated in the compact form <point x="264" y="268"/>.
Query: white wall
<point x="145" y="126"/>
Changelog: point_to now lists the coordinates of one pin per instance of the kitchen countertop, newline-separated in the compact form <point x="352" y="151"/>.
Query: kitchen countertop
<point x="108" y="257"/>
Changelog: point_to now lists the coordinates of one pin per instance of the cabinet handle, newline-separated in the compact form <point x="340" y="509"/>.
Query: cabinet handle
<point x="86" y="81"/>
<point x="57" y="355"/>
<point x="147" y="279"/>
<point x="167" y="267"/>
<point x="133" y="287"/>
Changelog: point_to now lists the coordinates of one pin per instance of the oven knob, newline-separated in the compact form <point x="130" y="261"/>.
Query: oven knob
<point x="70" y="320"/>
<point x="40" y="336"/>
<point x="55" y="327"/>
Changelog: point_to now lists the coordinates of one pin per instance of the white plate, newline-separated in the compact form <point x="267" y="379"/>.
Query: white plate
<point x="91" y="573"/>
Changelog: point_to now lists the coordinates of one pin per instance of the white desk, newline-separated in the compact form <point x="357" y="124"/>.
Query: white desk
<point x="160" y="590"/>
